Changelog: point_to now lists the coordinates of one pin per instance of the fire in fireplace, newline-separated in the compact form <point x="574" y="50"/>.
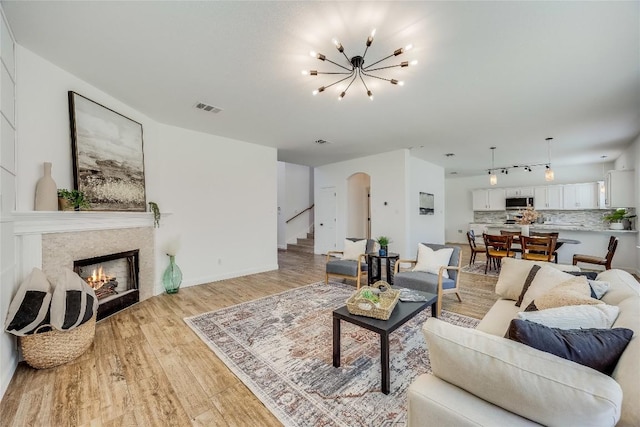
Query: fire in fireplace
<point x="114" y="278"/>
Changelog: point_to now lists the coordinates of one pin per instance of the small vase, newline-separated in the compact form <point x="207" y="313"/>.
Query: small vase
<point x="172" y="277"/>
<point x="382" y="251"/>
<point x="524" y="229"/>
<point x="46" y="191"/>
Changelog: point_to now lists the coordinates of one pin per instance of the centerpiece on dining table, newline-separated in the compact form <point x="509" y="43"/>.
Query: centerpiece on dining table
<point x="525" y="218"/>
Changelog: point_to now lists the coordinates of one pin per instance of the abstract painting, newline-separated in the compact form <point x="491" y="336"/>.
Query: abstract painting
<point x="108" y="159"/>
<point x="426" y="204"/>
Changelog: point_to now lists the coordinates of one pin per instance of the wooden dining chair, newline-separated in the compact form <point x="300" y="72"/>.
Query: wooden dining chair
<point x="592" y="259"/>
<point x="552" y="234"/>
<point x="515" y="239"/>
<point x="475" y="249"/>
<point x="498" y="247"/>
<point x="538" y="248"/>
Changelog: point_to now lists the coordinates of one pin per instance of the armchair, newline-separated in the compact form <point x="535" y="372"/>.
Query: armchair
<point x="430" y="282"/>
<point x="354" y="268"/>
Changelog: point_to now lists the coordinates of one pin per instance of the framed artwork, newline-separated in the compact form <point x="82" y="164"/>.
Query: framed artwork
<point x="426" y="204"/>
<point x="108" y="159"/>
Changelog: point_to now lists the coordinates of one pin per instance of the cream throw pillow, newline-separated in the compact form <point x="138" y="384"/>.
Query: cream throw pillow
<point x="531" y="383"/>
<point x="352" y="250"/>
<point x="548" y="278"/>
<point x="567" y="293"/>
<point x="430" y="261"/>
<point x="600" y="316"/>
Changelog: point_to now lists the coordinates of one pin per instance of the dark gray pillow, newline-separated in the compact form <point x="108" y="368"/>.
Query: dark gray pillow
<point x="599" y="349"/>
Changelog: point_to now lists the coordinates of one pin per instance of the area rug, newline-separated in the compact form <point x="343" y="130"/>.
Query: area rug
<point x="281" y="348"/>
<point x="478" y="268"/>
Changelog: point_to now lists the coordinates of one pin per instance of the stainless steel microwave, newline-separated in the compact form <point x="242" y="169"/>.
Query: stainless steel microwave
<point x="519" y="202"/>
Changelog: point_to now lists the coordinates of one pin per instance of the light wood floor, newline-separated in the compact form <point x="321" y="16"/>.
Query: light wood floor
<point x="147" y="368"/>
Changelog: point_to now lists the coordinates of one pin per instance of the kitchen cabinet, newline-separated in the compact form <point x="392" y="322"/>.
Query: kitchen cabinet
<point x="581" y="196"/>
<point x="619" y="191"/>
<point x="548" y="197"/>
<point x="519" y="192"/>
<point x="491" y="199"/>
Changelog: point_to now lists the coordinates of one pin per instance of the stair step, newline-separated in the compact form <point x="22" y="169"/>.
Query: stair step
<point x="305" y="242"/>
<point x="300" y="248"/>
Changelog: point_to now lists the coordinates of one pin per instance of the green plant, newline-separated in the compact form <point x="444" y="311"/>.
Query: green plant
<point x="153" y="206"/>
<point x="383" y="241"/>
<point x="75" y="198"/>
<point x="617" y="216"/>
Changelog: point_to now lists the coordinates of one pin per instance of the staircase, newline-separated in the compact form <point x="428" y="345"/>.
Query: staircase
<point x="302" y="245"/>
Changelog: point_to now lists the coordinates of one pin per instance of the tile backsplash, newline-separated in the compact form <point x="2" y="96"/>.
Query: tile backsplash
<point x="588" y="218"/>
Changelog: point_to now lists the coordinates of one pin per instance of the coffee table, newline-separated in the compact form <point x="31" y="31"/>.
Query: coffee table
<point x="402" y="313"/>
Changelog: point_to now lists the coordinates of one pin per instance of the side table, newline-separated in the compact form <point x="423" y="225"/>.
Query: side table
<point x="390" y="261"/>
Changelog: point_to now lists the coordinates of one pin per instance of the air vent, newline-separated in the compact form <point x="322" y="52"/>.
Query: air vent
<point x="321" y="141"/>
<point x="207" y="107"/>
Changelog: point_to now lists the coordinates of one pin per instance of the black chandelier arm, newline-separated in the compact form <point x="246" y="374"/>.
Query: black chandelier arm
<point x="376" y="77"/>
<point x="336" y="72"/>
<point x="335" y="63"/>
<point x="341" y="80"/>
<point x="377" y="62"/>
<point x="350" y="83"/>
<point x="362" y="80"/>
<point x="384" y="68"/>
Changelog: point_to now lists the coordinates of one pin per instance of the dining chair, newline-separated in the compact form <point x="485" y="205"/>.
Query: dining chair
<point x="475" y="249"/>
<point x="498" y="247"/>
<point x="515" y="239"/>
<point x="552" y="234"/>
<point x="606" y="261"/>
<point x="538" y="248"/>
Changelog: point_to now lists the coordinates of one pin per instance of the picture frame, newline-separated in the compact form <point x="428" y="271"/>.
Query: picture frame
<point x="427" y="204"/>
<point x="108" y="156"/>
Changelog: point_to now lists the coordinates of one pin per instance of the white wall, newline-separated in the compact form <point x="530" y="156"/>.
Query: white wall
<point x="630" y="159"/>
<point x="427" y="178"/>
<point x="388" y="204"/>
<point x="357" y="190"/>
<point x="8" y="348"/>
<point x="295" y="194"/>
<point x="458" y="203"/>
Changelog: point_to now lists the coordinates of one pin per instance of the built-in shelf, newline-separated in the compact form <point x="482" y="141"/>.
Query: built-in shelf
<point x="44" y="222"/>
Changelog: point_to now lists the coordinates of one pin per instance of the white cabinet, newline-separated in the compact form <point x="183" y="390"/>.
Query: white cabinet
<point x="581" y="196"/>
<point x="491" y="199"/>
<point x="619" y="191"/>
<point x="519" y="192"/>
<point x="548" y="197"/>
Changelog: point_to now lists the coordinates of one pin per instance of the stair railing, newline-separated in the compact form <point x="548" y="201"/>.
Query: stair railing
<point x="299" y="213"/>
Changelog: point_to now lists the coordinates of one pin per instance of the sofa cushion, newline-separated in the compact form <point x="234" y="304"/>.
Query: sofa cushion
<point x="599" y="349"/>
<point x="600" y="316"/>
<point x="622" y="285"/>
<point x="344" y="267"/>
<point x="505" y="373"/>
<point x="545" y="280"/>
<point x="513" y="273"/>
<point x="571" y="292"/>
<point x="353" y="249"/>
<point x="421" y="281"/>
<point x="430" y="260"/>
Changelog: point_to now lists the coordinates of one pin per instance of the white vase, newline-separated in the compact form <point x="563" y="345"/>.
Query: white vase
<point x="524" y="229"/>
<point x="616" y="226"/>
<point x="46" y="191"/>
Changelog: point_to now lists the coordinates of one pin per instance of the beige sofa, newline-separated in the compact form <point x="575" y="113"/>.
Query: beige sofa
<point x="482" y="379"/>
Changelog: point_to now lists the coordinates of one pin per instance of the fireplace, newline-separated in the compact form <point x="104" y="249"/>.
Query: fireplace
<point x="114" y="278"/>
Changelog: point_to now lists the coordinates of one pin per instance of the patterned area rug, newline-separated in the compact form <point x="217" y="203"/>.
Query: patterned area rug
<point x="281" y="348"/>
<point x="478" y="268"/>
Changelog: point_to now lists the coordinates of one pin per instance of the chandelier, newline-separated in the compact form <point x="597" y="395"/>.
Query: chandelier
<point x="354" y="68"/>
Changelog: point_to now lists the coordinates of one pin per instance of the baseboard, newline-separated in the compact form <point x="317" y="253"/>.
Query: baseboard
<point x="231" y="275"/>
<point x="9" y="365"/>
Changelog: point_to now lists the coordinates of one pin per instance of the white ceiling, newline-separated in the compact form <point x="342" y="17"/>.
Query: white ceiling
<point x="504" y="74"/>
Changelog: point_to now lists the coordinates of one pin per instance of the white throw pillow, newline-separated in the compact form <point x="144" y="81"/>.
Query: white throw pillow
<point x="431" y="261"/>
<point x="513" y="273"/>
<point x="30" y="305"/>
<point x="599" y="287"/>
<point x="531" y="383"/>
<point x="73" y="303"/>
<point x="352" y="250"/>
<point x="600" y="316"/>
<point x="545" y="280"/>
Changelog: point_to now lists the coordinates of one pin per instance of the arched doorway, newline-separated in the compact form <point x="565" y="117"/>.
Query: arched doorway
<point x="358" y="206"/>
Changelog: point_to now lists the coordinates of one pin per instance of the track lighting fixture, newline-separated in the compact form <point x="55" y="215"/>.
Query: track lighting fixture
<point x="355" y="68"/>
<point x="548" y="173"/>
<point x="493" y="179"/>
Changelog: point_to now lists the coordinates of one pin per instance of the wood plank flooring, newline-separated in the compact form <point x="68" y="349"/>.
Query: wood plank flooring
<point x="147" y="368"/>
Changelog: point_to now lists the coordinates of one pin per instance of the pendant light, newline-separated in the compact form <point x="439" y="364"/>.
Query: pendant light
<point x="548" y="173"/>
<point x="604" y="176"/>
<point x="493" y="178"/>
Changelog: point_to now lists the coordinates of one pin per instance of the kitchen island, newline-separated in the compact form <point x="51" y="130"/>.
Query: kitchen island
<point x="593" y="241"/>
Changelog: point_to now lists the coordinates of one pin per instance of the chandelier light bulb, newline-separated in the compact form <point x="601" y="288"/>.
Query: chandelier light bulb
<point x="408" y="47"/>
<point x="401" y="83"/>
<point x="373" y="33"/>
<point x="370" y="95"/>
<point x="305" y="73"/>
<point x="341" y="96"/>
<point x="313" y="54"/>
<point x="338" y="45"/>
<point x="414" y="62"/>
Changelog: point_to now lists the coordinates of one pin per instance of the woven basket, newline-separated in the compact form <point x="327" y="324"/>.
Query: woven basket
<point x="55" y="347"/>
<point x="356" y="304"/>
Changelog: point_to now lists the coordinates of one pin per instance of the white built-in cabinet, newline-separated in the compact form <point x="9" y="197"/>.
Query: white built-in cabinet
<point x="549" y="197"/>
<point x="619" y="189"/>
<point x="490" y="199"/>
<point x="581" y="196"/>
<point x="519" y="192"/>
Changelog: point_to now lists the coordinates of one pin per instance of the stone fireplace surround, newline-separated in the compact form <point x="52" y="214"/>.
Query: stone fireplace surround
<point x="52" y="240"/>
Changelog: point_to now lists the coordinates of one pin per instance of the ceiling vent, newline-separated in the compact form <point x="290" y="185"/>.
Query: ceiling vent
<point x="207" y="107"/>
<point x="321" y="141"/>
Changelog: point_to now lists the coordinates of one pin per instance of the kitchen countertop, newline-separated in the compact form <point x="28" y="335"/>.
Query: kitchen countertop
<point x="552" y="226"/>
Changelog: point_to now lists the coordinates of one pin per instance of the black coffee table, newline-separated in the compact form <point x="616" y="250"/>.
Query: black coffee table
<point x="403" y="312"/>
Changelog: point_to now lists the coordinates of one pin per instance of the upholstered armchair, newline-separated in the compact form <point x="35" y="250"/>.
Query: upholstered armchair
<point x="436" y="275"/>
<point x="352" y="263"/>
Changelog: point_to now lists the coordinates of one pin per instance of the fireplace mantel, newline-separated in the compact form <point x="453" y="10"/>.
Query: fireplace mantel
<point x="45" y="222"/>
